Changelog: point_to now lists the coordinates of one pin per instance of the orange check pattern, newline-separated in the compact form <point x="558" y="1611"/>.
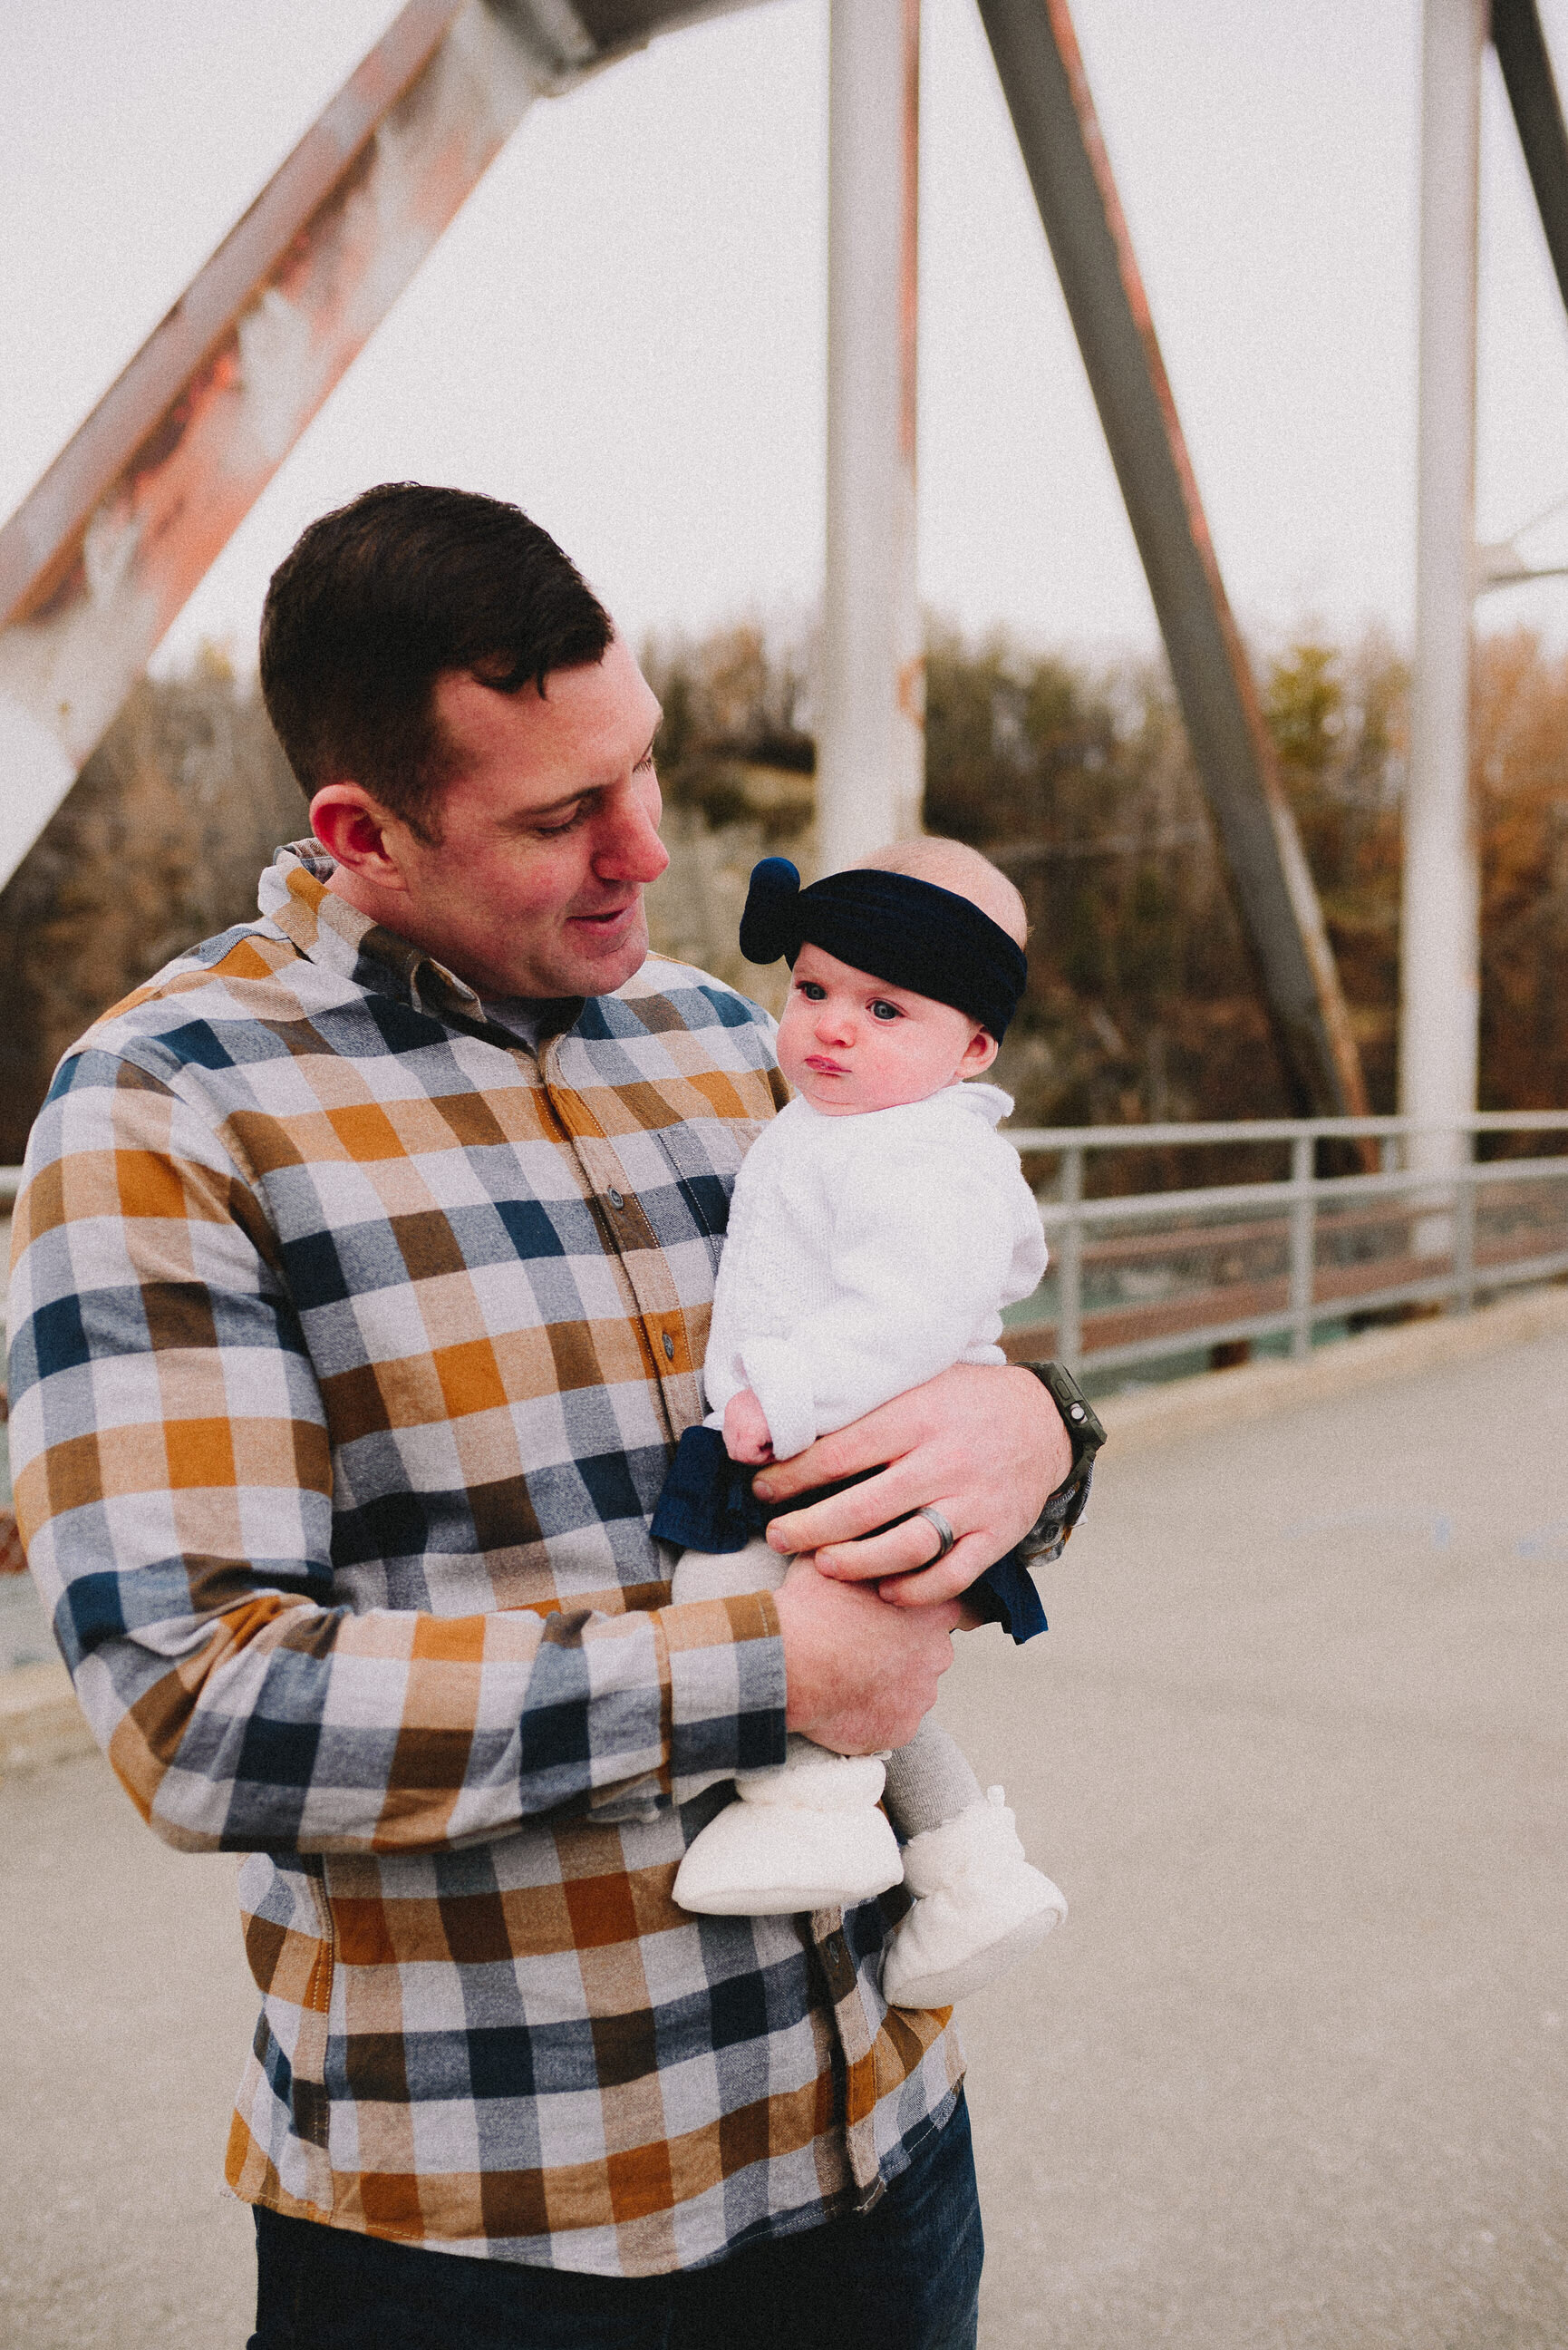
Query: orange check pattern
<point x="351" y="1343"/>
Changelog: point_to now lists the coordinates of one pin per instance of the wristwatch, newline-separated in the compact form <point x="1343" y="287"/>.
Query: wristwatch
<point x="1047" y="1538"/>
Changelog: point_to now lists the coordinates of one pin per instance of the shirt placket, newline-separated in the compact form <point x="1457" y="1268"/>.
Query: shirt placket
<point x="856" y="2041"/>
<point x="667" y="1340"/>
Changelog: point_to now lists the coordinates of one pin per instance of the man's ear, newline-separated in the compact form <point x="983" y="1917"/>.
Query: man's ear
<point x="979" y="1054"/>
<point x="353" y="829"/>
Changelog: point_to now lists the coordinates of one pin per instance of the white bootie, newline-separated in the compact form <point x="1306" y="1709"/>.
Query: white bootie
<point x="978" y="1906"/>
<point x="806" y="1837"/>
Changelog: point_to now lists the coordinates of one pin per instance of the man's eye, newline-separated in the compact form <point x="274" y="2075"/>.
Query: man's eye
<point x="883" y="1009"/>
<point x="554" y="831"/>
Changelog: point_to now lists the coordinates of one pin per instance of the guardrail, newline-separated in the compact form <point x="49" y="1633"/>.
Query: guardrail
<point x="1150" y="1275"/>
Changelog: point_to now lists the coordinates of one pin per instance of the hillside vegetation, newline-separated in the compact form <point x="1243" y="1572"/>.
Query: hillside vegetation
<point x="1077" y="779"/>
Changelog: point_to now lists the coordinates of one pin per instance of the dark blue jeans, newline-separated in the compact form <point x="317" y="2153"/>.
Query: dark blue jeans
<point x="904" y="2277"/>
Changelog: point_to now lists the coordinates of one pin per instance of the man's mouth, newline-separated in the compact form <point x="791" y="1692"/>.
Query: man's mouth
<point x="608" y="918"/>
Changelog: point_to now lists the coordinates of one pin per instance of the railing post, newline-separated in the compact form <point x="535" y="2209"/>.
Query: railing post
<point x="1465" y="1226"/>
<point x="1304" y="1243"/>
<point x="1070" y="1266"/>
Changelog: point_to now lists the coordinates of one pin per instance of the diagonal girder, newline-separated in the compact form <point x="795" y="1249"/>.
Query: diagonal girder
<point x="97" y="560"/>
<point x="1526" y="63"/>
<point x="1047" y="92"/>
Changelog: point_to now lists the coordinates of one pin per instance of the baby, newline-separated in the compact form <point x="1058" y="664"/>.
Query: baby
<point x="877" y="1228"/>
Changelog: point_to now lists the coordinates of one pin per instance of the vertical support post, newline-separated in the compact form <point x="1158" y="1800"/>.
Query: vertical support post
<point x="871" y="747"/>
<point x="1304" y="1243"/>
<point x="1440" y="905"/>
<point x="1070" y="1266"/>
<point x="1465" y="1227"/>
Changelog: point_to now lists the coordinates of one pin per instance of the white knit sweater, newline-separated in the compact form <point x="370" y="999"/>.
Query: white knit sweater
<point x="865" y="1254"/>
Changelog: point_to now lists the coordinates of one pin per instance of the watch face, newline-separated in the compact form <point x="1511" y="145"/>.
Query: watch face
<point x="1078" y="1415"/>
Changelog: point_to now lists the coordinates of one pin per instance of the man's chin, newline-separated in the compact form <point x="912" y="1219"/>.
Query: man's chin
<point x="601" y="966"/>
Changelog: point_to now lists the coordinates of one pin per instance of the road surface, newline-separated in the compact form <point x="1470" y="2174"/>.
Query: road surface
<point x="1293" y="2076"/>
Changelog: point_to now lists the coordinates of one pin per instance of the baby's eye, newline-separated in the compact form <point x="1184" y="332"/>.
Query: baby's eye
<point x="883" y="1009"/>
<point x="811" y="991"/>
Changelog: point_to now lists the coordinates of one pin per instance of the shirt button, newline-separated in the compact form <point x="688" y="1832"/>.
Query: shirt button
<point x="669" y="1347"/>
<point x="838" y="1966"/>
<point x="616" y="1201"/>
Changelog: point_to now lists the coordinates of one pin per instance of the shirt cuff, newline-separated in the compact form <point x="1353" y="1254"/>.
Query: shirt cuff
<point x="727" y="1692"/>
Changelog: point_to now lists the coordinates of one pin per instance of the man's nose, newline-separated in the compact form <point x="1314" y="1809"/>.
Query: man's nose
<point x="630" y="849"/>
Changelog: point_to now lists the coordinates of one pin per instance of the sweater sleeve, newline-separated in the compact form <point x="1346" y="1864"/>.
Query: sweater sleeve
<point x="928" y="1241"/>
<point x="175" y="1485"/>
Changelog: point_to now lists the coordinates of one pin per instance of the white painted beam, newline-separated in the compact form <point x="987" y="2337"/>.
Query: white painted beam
<point x="871" y="741"/>
<point x="1440" y="915"/>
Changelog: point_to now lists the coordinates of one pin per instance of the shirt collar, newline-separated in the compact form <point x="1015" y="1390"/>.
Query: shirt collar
<point x="327" y="930"/>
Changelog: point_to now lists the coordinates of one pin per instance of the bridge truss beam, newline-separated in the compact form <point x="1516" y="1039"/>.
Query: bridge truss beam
<point x="1047" y="92"/>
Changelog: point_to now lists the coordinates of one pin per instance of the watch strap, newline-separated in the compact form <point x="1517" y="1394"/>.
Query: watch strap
<point x="1047" y="1538"/>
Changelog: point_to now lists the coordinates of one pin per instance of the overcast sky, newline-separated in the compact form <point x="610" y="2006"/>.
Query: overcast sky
<point x="624" y="329"/>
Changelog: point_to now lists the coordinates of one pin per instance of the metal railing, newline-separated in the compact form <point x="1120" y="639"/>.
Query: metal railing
<point x="1154" y="1274"/>
<point x="1146" y="1276"/>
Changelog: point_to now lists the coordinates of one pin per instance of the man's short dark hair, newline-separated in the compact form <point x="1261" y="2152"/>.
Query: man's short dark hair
<point x="378" y="599"/>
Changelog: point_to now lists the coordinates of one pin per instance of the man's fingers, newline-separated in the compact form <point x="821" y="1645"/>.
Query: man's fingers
<point x="844" y="1517"/>
<point x="865" y="1444"/>
<point x="859" y="1510"/>
<point x="947" y="1579"/>
<point x="860" y="1677"/>
<point x="896" y="1550"/>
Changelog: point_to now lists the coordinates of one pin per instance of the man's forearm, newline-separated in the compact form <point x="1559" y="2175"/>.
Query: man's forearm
<point x="183" y="1511"/>
<point x="295" y="1728"/>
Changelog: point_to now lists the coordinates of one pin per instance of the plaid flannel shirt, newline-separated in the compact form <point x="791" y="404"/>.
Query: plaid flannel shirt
<point x="351" y="1342"/>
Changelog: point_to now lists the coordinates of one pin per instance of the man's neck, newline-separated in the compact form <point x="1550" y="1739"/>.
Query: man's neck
<point x="388" y="908"/>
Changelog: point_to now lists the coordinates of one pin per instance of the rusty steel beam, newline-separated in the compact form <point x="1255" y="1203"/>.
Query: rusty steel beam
<point x="1047" y="92"/>
<point x="1527" y="75"/>
<point x="97" y="562"/>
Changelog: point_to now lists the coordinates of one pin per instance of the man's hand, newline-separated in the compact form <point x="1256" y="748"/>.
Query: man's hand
<point x="746" y="1436"/>
<point x="860" y="1678"/>
<point x="984" y="1445"/>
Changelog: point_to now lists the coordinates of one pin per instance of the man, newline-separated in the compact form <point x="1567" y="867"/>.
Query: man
<point x="362" y="1276"/>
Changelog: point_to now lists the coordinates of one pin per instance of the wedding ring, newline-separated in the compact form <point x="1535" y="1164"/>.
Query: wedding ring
<point x="945" y="1534"/>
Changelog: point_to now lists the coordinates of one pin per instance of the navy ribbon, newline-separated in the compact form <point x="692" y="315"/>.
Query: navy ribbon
<point x="906" y="932"/>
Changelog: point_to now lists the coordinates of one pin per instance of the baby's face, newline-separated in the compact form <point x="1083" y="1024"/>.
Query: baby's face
<point x="851" y="1043"/>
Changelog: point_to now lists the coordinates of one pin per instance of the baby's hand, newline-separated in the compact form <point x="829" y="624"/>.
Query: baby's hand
<point x="746" y="1434"/>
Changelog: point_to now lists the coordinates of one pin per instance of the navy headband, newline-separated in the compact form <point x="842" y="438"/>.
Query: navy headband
<point x="908" y="933"/>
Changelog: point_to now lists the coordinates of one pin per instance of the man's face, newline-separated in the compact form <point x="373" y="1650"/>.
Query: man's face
<point x="548" y="834"/>
<point x="851" y="1043"/>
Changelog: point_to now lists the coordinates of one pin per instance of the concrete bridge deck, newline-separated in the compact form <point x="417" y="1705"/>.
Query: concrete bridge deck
<point x="1294" y="2077"/>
